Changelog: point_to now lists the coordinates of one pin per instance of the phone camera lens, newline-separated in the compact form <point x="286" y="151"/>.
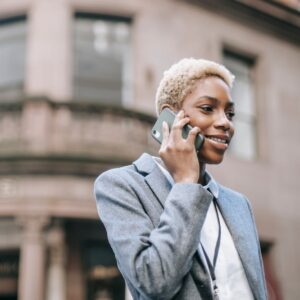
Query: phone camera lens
<point x="156" y="133"/>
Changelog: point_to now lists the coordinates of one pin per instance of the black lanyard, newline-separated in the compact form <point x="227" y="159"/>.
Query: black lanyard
<point x="212" y="266"/>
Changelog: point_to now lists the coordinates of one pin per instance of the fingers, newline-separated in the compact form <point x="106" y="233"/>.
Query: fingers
<point x="179" y="122"/>
<point x="175" y="135"/>
<point x="192" y="135"/>
<point x="166" y="133"/>
<point x="179" y="154"/>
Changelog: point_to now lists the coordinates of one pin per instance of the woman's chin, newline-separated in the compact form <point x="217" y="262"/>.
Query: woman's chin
<point x="210" y="159"/>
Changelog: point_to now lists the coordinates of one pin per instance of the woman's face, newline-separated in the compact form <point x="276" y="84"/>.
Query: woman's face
<point x="210" y="108"/>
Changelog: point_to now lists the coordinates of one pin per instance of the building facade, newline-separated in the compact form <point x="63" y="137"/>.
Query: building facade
<point x="77" y="87"/>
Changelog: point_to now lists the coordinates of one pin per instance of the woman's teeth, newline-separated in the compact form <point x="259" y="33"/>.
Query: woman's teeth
<point x="218" y="140"/>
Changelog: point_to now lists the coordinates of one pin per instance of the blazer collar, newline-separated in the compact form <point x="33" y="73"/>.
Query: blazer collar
<point x="154" y="177"/>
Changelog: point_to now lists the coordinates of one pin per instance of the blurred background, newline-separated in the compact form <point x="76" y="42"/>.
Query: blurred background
<point x="77" y="87"/>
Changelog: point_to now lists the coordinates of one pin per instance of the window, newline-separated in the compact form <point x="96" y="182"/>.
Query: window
<point x="102" y="66"/>
<point x="272" y="282"/>
<point x="9" y="273"/>
<point x="12" y="57"/>
<point x="104" y="281"/>
<point x="243" y="144"/>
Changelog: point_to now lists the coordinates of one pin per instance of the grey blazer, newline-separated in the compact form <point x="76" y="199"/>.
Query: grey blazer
<point x="154" y="228"/>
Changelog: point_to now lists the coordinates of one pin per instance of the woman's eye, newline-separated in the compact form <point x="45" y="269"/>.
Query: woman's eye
<point x="207" y="108"/>
<point x="230" y="115"/>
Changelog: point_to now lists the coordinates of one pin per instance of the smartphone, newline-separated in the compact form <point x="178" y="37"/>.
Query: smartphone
<point x="168" y="116"/>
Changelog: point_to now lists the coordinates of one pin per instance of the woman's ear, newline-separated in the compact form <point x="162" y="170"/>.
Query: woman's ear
<point x="166" y="105"/>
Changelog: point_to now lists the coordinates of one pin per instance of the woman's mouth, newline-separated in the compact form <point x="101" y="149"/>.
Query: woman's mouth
<point x="219" y="142"/>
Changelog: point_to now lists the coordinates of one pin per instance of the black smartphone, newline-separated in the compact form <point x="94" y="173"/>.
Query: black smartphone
<point x="168" y="116"/>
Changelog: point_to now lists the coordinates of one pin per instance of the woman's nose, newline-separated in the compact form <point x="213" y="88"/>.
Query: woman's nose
<point x="222" y="121"/>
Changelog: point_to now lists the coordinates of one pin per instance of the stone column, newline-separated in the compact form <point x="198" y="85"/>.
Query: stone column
<point x="32" y="258"/>
<point x="49" y="48"/>
<point x="56" y="279"/>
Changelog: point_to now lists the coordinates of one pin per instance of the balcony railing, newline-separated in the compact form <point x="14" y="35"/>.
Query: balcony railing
<point x="43" y="136"/>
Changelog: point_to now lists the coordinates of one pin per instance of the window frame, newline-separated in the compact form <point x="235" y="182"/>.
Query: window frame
<point x="251" y="61"/>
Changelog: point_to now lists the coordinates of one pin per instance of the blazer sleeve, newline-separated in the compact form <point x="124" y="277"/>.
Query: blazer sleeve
<point x="154" y="259"/>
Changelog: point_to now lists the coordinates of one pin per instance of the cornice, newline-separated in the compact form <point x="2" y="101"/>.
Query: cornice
<point x="267" y="16"/>
<point x="77" y="106"/>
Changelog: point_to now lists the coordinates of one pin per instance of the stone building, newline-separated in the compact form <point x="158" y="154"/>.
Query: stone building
<point x="77" y="83"/>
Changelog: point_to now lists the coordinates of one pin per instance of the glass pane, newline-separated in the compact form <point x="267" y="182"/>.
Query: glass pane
<point x="242" y="94"/>
<point x="12" y="59"/>
<point x="102" y="53"/>
<point x="242" y="91"/>
<point x="243" y="144"/>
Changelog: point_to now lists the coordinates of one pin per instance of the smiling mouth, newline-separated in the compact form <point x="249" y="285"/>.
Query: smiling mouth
<point x="218" y="140"/>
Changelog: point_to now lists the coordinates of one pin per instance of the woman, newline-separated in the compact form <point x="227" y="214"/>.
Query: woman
<point x="177" y="233"/>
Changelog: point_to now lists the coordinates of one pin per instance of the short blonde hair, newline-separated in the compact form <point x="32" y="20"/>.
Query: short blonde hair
<point x="181" y="77"/>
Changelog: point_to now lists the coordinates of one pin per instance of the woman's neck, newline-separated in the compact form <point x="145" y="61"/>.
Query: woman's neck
<point x="202" y="167"/>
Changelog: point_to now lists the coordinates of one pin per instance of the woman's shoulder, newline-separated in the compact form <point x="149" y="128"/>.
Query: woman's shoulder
<point x="129" y="173"/>
<point x="235" y="198"/>
<point x="117" y="174"/>
<point x="228" y="192"/>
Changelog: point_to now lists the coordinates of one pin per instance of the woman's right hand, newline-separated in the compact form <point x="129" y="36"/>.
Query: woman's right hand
<point x="178" y="154"/>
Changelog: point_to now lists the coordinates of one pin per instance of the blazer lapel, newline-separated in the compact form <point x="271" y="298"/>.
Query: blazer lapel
<point x="240" y="227"/>
<point x="154" y="177"/>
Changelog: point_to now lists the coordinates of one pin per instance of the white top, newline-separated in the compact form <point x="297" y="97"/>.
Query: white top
<point x="230" y="275"/>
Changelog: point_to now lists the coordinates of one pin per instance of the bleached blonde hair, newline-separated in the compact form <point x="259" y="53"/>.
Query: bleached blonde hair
<point x="181" y="77"/>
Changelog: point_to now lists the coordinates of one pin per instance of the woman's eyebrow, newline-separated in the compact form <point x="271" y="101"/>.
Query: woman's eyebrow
<point x="213" y="99"/>
<point x="216" y="100"/>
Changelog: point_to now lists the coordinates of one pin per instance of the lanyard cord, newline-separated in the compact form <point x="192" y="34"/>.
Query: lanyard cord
<point x="212" y="266"/>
